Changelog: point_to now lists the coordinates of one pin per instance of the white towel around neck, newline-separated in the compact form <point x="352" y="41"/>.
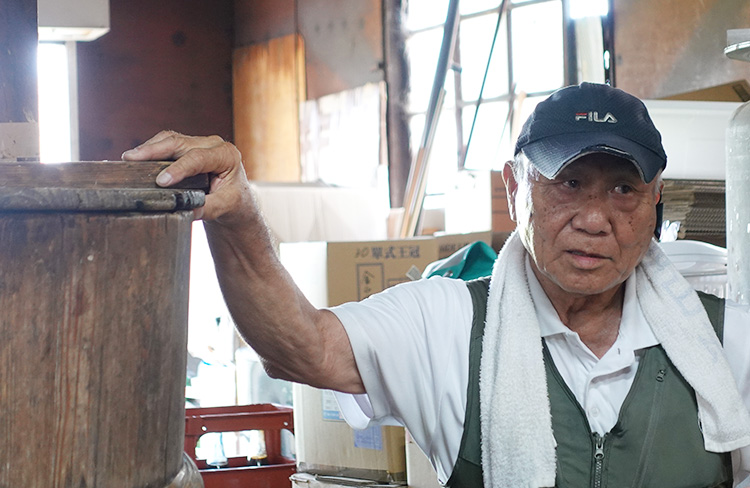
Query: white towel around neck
<point x="518" y="447"/>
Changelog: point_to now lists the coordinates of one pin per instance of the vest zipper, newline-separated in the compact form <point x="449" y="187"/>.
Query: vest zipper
<point x="598" y="459"/>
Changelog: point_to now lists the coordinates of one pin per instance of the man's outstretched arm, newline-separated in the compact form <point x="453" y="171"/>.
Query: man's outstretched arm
<point x="295" y="340"/>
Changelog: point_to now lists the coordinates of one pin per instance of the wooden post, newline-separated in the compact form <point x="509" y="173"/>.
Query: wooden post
<point x="396" y="68"/>
<point x="19" y="112"/>
<point x="268" y="86"/>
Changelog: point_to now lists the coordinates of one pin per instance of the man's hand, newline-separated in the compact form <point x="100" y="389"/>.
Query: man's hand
<point x="229" y="191"/>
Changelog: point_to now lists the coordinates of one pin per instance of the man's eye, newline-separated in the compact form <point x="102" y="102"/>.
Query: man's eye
<point x="623" y="189"/>
<point x="572" y="183"/>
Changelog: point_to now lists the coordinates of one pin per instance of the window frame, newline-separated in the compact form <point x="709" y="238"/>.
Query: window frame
<point x="459" y="104"/>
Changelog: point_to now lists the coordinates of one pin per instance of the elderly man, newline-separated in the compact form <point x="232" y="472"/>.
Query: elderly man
<point x="586" y="360"/>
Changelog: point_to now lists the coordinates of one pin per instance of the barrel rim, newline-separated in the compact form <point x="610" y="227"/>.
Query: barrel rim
<point x="98" y="200"/>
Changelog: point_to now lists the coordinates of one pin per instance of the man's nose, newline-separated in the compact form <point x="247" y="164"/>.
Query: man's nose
<point x="593" y="214"/>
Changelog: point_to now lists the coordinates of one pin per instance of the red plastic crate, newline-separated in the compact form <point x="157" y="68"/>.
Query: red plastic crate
<point x="238" y="473"/>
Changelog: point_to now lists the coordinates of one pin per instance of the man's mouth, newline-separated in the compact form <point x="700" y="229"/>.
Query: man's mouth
<point x="583" y="254"/>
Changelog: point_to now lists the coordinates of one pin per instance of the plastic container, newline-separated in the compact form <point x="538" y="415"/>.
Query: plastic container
<point x="703" y="265"/>
<point x="738" y="204"/>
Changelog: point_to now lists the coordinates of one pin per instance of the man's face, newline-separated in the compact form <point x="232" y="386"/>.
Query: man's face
<point x="587" y="229"/>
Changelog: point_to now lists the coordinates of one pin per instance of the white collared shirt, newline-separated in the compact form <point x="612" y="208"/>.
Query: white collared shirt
<point x="599" y="385"/>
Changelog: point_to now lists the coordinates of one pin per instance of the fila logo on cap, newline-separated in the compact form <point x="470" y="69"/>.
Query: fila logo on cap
<point x="594" y="117"/>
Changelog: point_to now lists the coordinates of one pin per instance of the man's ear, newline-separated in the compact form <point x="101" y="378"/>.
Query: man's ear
<point x="511" y="187"/>
<point x="659" y="212"/>
<point x="661" y="192"/>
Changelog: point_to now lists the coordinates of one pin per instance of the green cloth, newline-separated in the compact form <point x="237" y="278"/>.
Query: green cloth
<point x="471" y="261"/>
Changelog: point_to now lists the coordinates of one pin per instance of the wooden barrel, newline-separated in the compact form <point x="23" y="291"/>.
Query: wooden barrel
<point x="93" y="325"/>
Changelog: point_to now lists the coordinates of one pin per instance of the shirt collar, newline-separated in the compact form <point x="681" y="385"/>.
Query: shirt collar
<point x="635" y="333"/>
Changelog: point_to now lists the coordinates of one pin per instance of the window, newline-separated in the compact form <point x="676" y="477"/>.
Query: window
<point x="527" y="64"/>
<point x="58" y="126"/>
<point x="580" y="9"/>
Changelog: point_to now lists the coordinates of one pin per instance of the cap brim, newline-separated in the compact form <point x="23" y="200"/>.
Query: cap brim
<point x="551" y="154"/>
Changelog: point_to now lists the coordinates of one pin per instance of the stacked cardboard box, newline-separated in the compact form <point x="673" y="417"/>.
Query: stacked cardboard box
<point x="700" y="208"/>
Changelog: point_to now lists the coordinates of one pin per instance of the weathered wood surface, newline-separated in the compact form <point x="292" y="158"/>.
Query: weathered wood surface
<point x="93" y="335"/>
<point x="95" y="186"/>
<point x="91" y="174"/>
<point x="70" y="199"/>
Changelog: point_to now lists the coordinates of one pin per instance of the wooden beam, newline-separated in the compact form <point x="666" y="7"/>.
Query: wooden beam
<point x="19" y="106"/>
<point x="268" y="85"/>
<point x="18" y="77"/>
<point x="396" y="69"/>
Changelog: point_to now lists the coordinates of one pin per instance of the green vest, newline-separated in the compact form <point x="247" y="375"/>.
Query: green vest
<point x="656" y="442"/>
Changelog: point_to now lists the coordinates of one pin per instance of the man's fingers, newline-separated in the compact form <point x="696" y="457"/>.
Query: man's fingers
<point x="156" y="148"/>
<point x="161" y="136"/>
<point x="218" y="160"/>
<point x="169" y="145"/>
<point x="192" y="155"/>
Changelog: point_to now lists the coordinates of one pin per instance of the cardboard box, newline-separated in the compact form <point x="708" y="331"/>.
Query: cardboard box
<point x="332" y="273"/>
<point x="450" y="243"/>
<point x="694" y="136"/>
<point x="325" y="444"/>
<point x="419" y="471"/>
<point x="735" y="91"/>
<point x="501" y="221"/>
<point x="307" y="480"/>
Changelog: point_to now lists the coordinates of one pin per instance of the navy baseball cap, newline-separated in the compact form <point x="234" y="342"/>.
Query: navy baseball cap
<point x="589" y="118"/>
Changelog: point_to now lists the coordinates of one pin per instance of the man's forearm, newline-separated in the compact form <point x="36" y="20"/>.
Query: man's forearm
<point x="296" y="341"/>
